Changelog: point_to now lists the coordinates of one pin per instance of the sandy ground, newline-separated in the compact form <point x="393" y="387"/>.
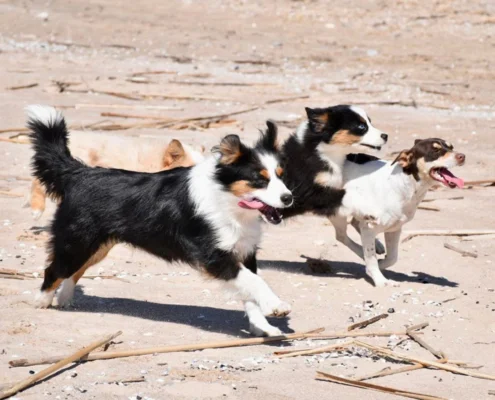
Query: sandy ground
<point x="421" y="69"/>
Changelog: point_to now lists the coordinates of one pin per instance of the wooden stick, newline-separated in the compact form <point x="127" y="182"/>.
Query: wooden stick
<point x="438" y="354"/>
<point x="28" y="86"/>
<point x="14" y="140"/>
<point x="447" y="232"/>
<point x="10" y="194"/>
<point x="464" y="253"/>
<point x="364" y="324"/>
<point x="168" y="349"/>
<point x="7" y="130"/>
<point x="200" y="83"/>
<point x="339" y="335"/>
<point x="120" y="115"/>
<point x="62" y="363"/>
<point x="399" y="392"/>
<point x="417" y="327"/>
<point x="413" y="359"/>
<point x="126" y="380"/>
<point x="388" y="371"/>
<point x="153" y="73"/>
<point x="285" y="99"/>
<point x="428" y="208"/>
<point x="319" y="350"/>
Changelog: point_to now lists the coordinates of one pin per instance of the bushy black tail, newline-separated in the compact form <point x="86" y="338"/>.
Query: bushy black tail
<point x="52" y="162"/>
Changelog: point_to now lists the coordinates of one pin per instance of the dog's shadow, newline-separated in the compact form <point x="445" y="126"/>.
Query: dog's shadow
<point x="352" y="270"/>
<point x="231" y="322"/>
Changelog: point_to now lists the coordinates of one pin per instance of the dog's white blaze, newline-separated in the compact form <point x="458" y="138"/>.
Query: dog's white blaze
<point x="47" y="115"/>
<point x="236" y="229"/>
<point x="373" y="136"/>
<point x="272" y="194"/>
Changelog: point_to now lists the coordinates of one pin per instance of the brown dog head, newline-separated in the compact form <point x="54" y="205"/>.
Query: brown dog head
<point x="430" y="160"/>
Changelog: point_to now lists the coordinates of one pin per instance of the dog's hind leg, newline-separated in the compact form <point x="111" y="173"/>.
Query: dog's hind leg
<point x="66" y="292"/>
<point x="372" y="269"/>
<point x="379" y="247"/>
<point x="392" y="241"/>
<point x="50" y="284"/>
<point x="37" y="199"/>
<point x="340" y="225"/>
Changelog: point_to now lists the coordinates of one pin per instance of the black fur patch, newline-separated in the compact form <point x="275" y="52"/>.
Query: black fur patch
<point x="151" y="211"/>
<point x="361" y="158"/>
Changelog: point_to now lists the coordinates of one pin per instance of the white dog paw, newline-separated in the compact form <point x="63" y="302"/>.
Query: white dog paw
<point x="267" y="331"/>
<point x="65" y="294"/>
<point x="386" y="282"/>
<point x="43" y="299"/>
<point x="36" y="214"/>
<point x="280" y="309"/>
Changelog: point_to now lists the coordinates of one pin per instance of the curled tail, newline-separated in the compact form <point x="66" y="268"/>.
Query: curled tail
<point x="52" y="162"/>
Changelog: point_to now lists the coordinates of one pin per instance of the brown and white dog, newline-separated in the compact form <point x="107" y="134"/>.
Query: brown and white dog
<point x="115" y="153"/>
<point x="382" y="196"/>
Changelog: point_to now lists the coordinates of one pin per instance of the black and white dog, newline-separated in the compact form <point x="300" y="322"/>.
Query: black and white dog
<point x="383" y="195"/>
<point x="316" y="154"/>
<point x="207" y="215"/>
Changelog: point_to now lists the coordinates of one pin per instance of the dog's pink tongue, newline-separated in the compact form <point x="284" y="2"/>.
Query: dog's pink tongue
<point x="251" y="204"/>
<point x="451" y="178"/>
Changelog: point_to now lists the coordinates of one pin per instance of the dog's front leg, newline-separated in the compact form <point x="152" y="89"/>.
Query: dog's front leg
<point x="379" y="247"/>
<point x="372" y="269"/>
<point x="258" y="324"/>
<point x="259" y="301"/>
<point x="392" y="241"/>
<point x="340" y="225"/>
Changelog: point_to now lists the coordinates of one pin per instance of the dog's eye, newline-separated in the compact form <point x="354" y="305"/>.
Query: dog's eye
<point x="362" y="127"/>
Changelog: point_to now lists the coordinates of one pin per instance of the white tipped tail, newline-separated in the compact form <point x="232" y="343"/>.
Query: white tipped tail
<point x="47" y="115"/>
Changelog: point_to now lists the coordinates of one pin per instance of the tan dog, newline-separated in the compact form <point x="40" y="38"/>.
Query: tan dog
<point x="175" y="155"/>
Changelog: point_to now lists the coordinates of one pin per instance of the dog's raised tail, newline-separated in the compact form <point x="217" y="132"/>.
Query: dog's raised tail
<point x="52" y="162"/>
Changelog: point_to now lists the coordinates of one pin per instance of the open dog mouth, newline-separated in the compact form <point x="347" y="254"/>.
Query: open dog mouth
<point x="269" y="213"/>
<point x="443" y="175"/>
<point x="371" y="147"/>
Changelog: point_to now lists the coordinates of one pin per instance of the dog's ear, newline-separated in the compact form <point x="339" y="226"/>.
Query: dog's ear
<point x="417" y="141"/>
<point x="174" y="154"/>
<point x="318" y="118"/>
<point x="268" y="139"/>
<point x="406" y="159"/>
<point x="229" y="150"/>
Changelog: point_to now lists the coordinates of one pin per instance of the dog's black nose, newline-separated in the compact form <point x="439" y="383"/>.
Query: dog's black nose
<point x="460" y="158"/>
<point x="286" y="199"/>
<point x="384" y="136"/>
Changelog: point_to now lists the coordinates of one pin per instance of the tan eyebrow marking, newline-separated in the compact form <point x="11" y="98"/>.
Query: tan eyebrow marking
<point x="449" y="145"/>
<point x="265" y="174"/>
<point x="437" y="145"/>
<point x="279" y="171"/>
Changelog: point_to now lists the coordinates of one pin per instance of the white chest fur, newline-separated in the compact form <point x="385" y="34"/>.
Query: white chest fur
<point x="236" y="229"/>
<point x="381" y="192"/>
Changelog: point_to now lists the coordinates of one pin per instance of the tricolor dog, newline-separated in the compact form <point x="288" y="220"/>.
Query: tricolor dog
<point x="382" y="196"/>
<point x="207" y="216"/>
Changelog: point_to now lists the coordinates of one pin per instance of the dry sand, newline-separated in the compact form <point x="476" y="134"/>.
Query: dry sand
<point x="421" y="69"/>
